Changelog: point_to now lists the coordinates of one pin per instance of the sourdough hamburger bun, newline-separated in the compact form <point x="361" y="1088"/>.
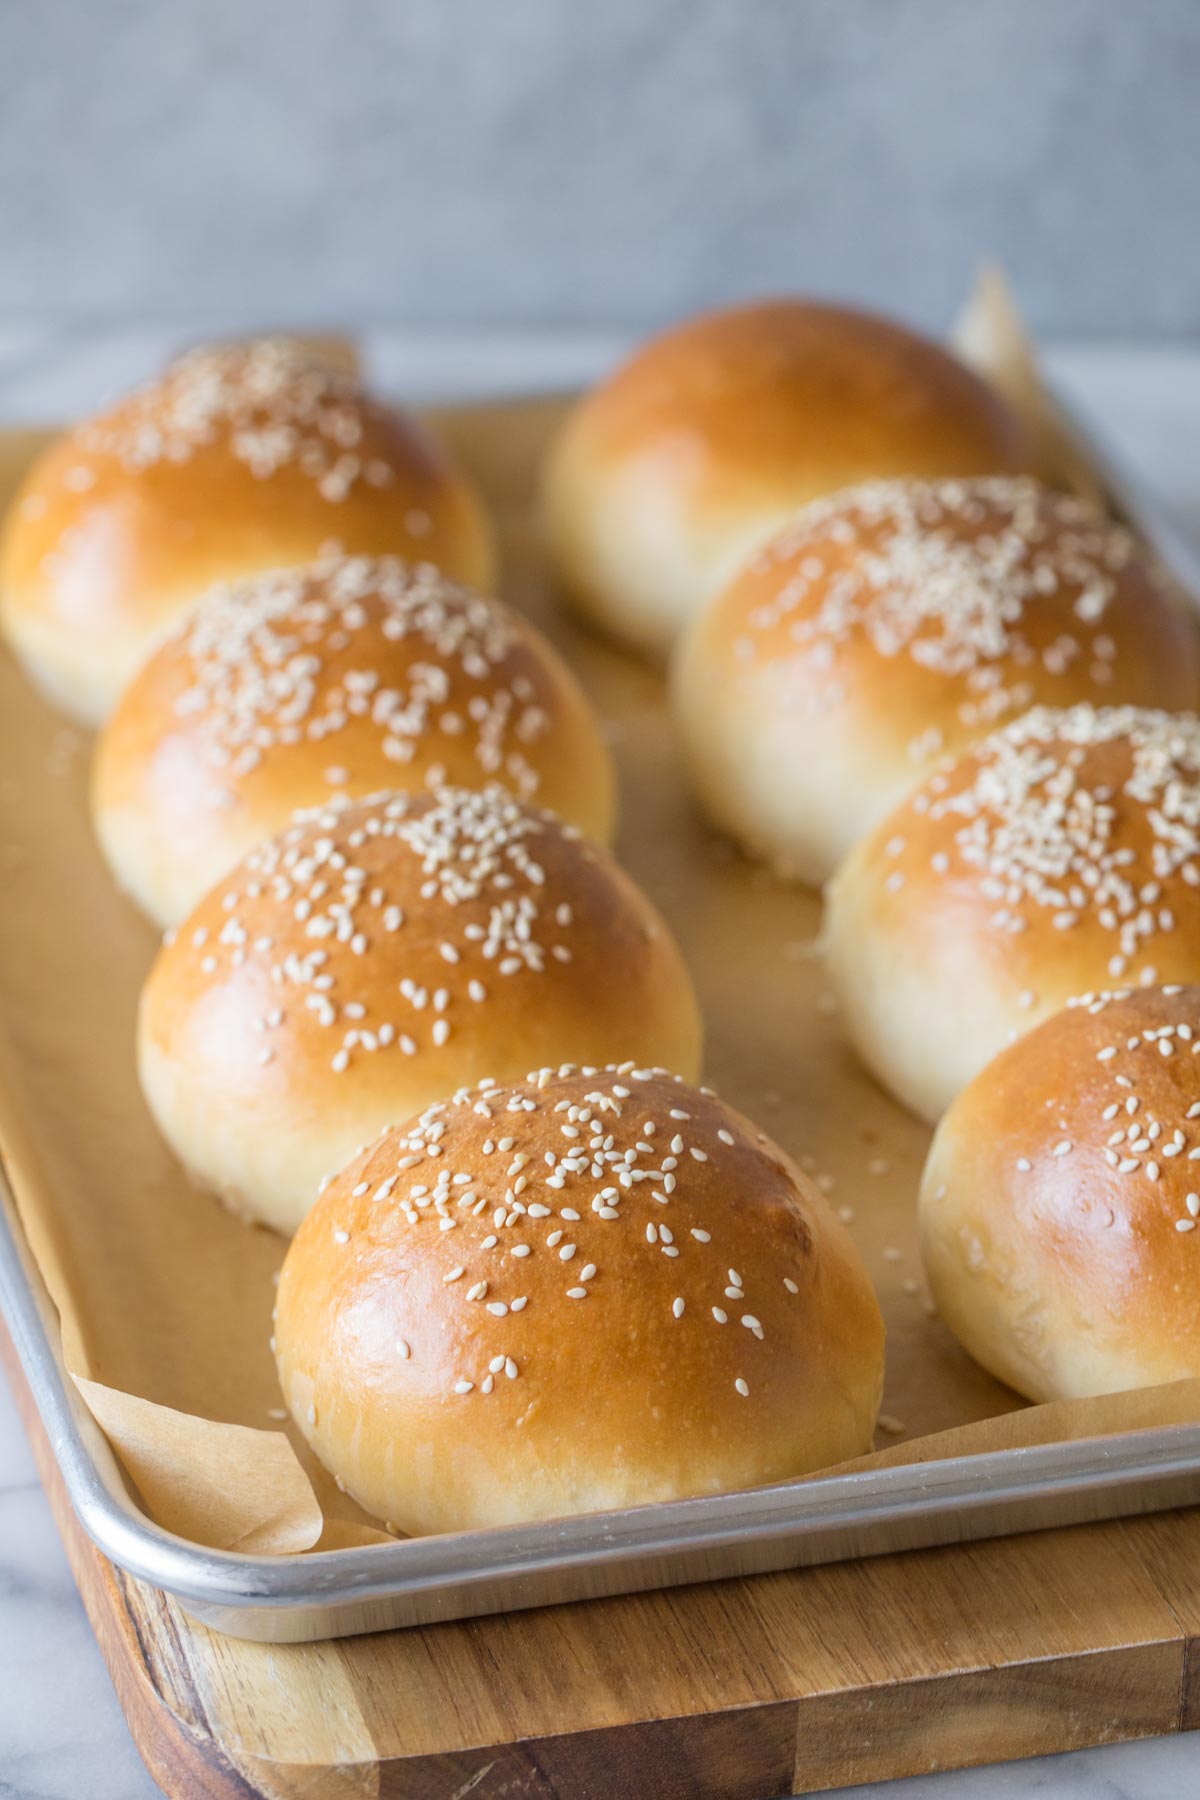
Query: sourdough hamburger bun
<point x="381" y="953"/>
<point x="597" y="1288"/>
<point x="242" y="457"/>
<point x="1060" y="1201"/>
<point x="350" y="676"/>
<point x="892" y="623"/>
<point x="1061" y="854"/>
<point x="673" y="471"/>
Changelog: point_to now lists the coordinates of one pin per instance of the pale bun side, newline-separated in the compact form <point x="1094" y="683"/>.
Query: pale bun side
<point x="379" y="954"/>
<point x="597" y="1288"/>
<point x="895" y="622"/>
<point x="1058" y="856"/>
<point x="670" y="473"/>
<point x="241" y="458"/>
<point x="353" y="675"/>
<point x="1059" y="1204"/>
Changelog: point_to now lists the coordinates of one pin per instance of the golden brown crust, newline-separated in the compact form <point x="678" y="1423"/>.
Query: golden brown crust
<point x="1059" y="856"/>
<point x="376" y="956"/>
<point x="1059" y="1202"/>
<point x="596" y="1289"/>
<point x="351" y="676"/>
<point x="673" y="470"/>
<point x="241" y="458"/>
<point x="895" y="622"/>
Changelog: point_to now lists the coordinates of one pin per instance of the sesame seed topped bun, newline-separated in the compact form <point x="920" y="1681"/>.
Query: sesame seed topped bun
<point x="379" y="954"/>
<point x="242" y="457"/>
<point x="1060" y="855"/>
<point x="598" y="1288"/>
<point x="1060" y="1202"/>
<point x="351" y="676"/>
<point x="673" y="471"/>
<point x="894" y="622"/>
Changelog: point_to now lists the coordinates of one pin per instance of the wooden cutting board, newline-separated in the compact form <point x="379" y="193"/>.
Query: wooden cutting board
<point x="782" y="1684"/>
<point x="739" y="1690"/>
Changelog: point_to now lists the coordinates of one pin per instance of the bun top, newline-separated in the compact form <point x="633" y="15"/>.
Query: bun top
<point x="937" y="609"/>
<point x="670" y="473"/>
<point x="1100" y="1103"/>
<point x="399" y="922"/>
<point x="1065" y="846"/>
<point x="242" y="457"/>
<point x="830" y="392"/>
<point x="350" y="676"/>
<point x="599" y="1287"/>
<point x="374" y="957"/>
<point x="1062" y="1196"/>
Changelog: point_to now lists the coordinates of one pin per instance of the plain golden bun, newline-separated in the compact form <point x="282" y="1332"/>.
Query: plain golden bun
<point x="895" y="622"/>
<point x="379" y="954"/>
<point x="242" y="457"/>
<point x="1059" y="1203"/>
<point x="672" y="472"/>
<point x="348" y="677"/>
<point x="600" y="1288"/>
<point x="1058" y="857"/>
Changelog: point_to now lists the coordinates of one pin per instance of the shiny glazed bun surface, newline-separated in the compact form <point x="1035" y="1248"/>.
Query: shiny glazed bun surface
<point x="1059" y="855"/>
<point x="241" y="458"/>
<point x="669" y="474"/>
<point x="895" y="622"/>
<point x="596" y="1288"/>
<point x="375" y="957"/>
<point x="350" y="676"/>
<point x="1060" y="1201"/>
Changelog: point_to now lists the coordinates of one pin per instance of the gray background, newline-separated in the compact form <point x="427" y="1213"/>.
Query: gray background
<point x="528" y="163"/>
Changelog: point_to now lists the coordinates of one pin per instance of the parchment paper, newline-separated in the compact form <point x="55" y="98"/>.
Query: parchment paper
<point x="165" y="1299"/>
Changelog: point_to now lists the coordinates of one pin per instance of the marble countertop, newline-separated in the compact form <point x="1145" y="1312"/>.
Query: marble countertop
<point x="62" y="1736"/>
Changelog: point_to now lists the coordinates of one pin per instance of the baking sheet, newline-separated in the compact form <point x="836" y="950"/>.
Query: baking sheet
<point x="165" y="1300"/>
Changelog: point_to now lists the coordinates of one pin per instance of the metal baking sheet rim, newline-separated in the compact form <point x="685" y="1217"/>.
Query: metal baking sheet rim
<point x="419" y="1581"/>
